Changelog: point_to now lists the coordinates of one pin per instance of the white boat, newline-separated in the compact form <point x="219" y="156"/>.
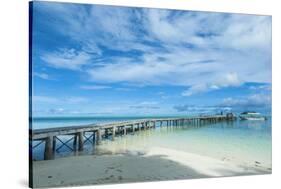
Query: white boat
<point x="252" y="116"/>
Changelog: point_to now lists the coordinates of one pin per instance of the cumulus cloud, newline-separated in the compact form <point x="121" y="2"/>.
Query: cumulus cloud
<point x="227" y="80"/>
<point x="198" y="50"/>
<point x="256" y="100"/>
<point x="251" y="102"/>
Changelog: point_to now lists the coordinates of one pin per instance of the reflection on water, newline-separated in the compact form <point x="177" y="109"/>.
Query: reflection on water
<point x="245" y="141"/>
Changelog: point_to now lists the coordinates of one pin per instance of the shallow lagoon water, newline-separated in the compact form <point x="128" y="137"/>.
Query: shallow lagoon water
<point x="240" y="141"/>
<point x="246" y="142"/>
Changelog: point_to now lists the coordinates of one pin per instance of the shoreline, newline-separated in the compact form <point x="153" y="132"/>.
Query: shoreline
<point x="156" y="164"/>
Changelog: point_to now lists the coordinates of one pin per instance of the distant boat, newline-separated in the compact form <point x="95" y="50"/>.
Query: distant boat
<point x="252" y="116"/>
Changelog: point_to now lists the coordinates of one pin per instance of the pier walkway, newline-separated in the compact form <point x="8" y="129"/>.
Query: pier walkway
<point x="97" y="132"/>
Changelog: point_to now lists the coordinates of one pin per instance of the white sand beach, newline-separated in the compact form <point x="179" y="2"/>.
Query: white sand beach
<point x="155" y="164"/>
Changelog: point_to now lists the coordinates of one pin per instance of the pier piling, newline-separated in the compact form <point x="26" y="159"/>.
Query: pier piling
<point x="48" y="153"/>
<point x="99" y="136"/>
<point x="113" y="133"/>
<point x="80" y="141"/>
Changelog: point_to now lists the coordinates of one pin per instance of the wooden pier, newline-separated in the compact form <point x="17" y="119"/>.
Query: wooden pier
<point x="98" y="132"/>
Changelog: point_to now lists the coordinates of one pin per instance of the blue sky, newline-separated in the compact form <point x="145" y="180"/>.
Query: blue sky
<point x="106" y="60"/>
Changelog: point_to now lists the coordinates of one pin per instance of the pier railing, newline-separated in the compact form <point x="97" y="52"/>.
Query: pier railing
<point x="98" y="131"/>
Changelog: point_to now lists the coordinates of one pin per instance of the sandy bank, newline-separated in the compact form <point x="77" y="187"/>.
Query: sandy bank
<point x="155" y="165"/>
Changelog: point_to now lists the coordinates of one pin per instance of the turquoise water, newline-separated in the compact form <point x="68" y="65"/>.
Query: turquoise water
<point x="244" y="142"/>
<point x="241" y="141"/>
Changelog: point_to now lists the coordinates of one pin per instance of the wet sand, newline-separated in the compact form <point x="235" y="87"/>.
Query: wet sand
<point x="155" y="164"/>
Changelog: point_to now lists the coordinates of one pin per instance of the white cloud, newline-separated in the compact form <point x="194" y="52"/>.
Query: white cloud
<point x="148" y="103"/>
<point x="250" y="102"/>
<point x="66" y="58"/>
<point x="58" y="100"/>
<point x="264" y="87"/>
<point x="214" y="63"/>
<point x="248" y="32"/>
<point x="124" y="89"/>
<point x="75" y="100"/>
<point x="227" y="80"/>
<point x="192" y="109"/>
<point x="95" y="87"/>
<point x="56" y="110"/>
<point x="195" y="89"/>
<point x="145" y="105"/>
<point x="201" y="51"/>
<point x="255" y="100"/>
<point x="42" y="75"/>
<point x="44" y="99"/>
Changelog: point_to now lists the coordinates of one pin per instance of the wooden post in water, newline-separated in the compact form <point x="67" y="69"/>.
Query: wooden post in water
<point x="54" y="145"/>
<point x="119" y="130"/>
<point x="113" y="133"/>
<point x="98" y="136"/>
<point x="48" y="154"/>
<point x="125" y="130"/>
<point x="94" y="138"/>
<point x="75" y="142"/>
<point x="133" y="128"/>
<point x="80" y="141"/>
<point x="106" y="133"/>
